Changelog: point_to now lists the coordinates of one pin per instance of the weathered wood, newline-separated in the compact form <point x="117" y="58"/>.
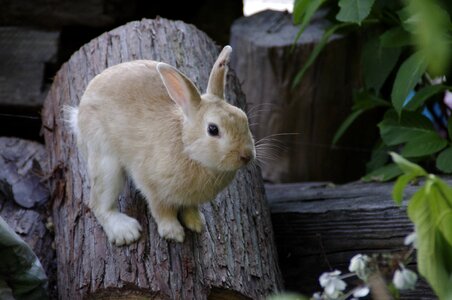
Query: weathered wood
<point x="59" y="13"/>
<point x="24" y="199"/>
<point x="320" y="227"/>
<point x="233" y="256"/>
<point x="24" y="54"/>
<point x="266" y="63"/>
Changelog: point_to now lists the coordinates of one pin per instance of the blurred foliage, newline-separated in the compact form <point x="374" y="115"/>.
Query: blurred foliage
<point x="430" y="209"/>
<point x="406" y="72"/>
<point x="21" y="275"/>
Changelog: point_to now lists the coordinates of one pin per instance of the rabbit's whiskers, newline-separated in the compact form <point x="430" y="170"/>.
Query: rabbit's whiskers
<point x="270" y="148"/>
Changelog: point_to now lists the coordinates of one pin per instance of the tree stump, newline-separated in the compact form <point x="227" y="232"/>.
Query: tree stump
<point x="233" y="258"/>
<point x="266" y="65"/>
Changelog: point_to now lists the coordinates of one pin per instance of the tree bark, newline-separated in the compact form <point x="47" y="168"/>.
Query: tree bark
<point x="319" y="227"/>
<point x="267" y="61"/>
<point x="233" y="257"/>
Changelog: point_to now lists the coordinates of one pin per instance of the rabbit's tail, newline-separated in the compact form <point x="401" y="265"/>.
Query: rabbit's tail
<point x="70" y="114"/>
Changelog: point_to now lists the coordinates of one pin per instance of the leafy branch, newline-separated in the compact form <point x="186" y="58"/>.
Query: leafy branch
<point x="430" y="209"/>
<point x="406" y="45"/>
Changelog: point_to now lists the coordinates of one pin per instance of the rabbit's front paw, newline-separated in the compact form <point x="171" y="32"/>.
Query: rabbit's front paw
<point x="122" y="229"/>
<point x="193" y="219"/>
<point x="171" y="230"/>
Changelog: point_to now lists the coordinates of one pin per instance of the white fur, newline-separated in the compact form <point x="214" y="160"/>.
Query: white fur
<point x="122" y="229"/>
<point x="171" y="230"/>
<point x="70" y="115"/>
<point x="147" y="120"/>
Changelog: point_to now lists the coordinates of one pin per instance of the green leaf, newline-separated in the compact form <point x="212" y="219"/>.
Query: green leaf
<point x="396" y="37"/>
<point x="444" y="161"/>
<point x="399" y="187"/>
<point x="407" y="20"/>
<point x="406" y="79"/>
<point x="379" y="157"/>
<point x="384" y="173"/>
<point x="365" y="100"/>
<point x="346" y="124"/>
<point x="429" y="209"/>
<point x="378" y="63"/>
<point x="318" y="48"/>
<point x="303" y="13"/>
<point x="416" y="206"/>
<point x="407" y="166"/>
<point x="445" y="225"/>
<point x="425" y="144"/>
<point x="411" y="125"/>
<point x="299" y="10"/>
<point x="354" y="11"/>
<point x="430" y="25"/>
<point x="445" y="190"/>
<point x="424" y="94"/>
<point x="430" y="246"/>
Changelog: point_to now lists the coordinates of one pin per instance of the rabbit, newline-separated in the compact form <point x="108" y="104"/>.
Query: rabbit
<point x="147" y="120"/>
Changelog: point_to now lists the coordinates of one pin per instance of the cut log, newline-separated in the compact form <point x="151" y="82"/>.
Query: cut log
<point x="234" y="256"/>
<point x="266" y="65"/>
<point x="320" y="227"/>
<point x="24" y="199"/>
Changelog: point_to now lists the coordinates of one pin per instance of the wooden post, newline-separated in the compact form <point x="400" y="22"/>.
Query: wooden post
<point x="266" y="63"/>
<point x="234" y="257"/>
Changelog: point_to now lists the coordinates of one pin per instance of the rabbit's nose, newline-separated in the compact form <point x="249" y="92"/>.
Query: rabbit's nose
<point x="245" y="158"/>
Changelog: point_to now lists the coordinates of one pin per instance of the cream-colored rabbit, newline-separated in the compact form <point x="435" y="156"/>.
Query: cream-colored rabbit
<point x="145" y="119"/>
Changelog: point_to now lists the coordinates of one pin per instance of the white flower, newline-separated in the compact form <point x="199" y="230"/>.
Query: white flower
<point x="410" y="239"/>
<point x="317" y="296"/>
<point x="404" y="279"/>
<point x="358" y="264"/>
<point x="332" y="284"/>
<point x="361" y="291"/>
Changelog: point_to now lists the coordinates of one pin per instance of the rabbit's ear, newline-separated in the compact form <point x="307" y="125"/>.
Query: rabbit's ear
<point x="217" y="77"/>
<point x="180" y="88"/>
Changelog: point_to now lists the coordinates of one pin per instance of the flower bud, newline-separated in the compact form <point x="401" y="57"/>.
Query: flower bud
<point x="362" y="291"/>
<point x="332" y="284"/>
<point x="404" y="279"/>
<point x="410" y="239"/>
<point x="358" y="265"/>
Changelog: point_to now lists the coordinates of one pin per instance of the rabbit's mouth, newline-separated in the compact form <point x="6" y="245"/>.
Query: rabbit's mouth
<point x="236" y="160"/>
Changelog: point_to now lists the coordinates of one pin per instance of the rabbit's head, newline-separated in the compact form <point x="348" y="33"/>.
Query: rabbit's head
<point x="214" y="133"/>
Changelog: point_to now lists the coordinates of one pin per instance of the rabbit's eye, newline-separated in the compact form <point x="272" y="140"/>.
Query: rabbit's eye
<point x="212" y="129"/>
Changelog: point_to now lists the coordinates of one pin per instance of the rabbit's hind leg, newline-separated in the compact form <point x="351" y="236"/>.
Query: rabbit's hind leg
<point x="107" y="181"/>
